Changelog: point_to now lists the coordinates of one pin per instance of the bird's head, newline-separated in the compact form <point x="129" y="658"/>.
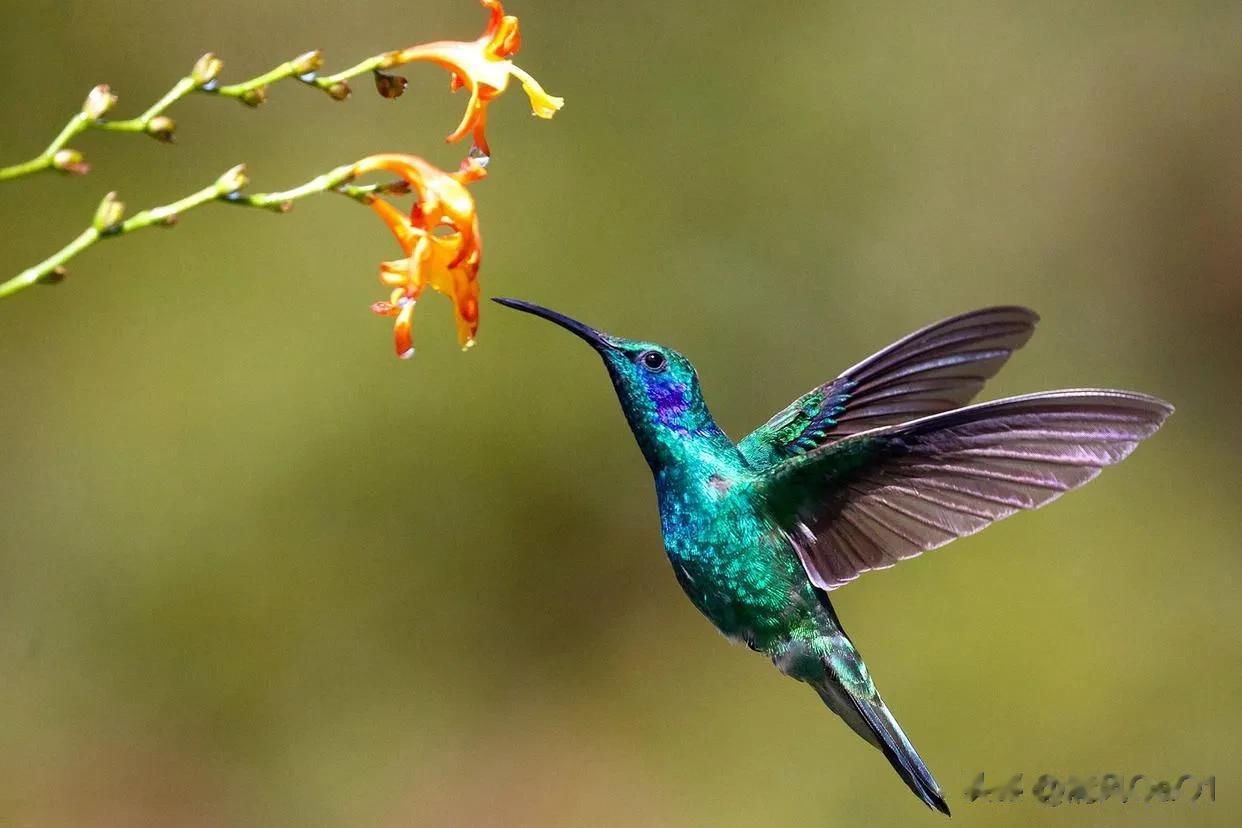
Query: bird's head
<point x="658" y="388"/>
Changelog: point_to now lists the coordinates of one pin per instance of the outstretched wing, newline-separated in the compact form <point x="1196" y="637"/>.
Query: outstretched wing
<point x="885" y="495"/>
<point x="938" y="368"/>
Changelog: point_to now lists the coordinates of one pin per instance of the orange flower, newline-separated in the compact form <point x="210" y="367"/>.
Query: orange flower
<point x="483" y="66"/>
<point x="440" y="239"/>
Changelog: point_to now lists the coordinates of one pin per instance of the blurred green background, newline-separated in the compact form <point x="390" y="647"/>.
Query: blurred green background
<point x="256" y="571"/>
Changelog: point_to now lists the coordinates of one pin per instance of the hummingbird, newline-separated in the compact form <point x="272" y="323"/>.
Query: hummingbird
<point x="878" y="465"/>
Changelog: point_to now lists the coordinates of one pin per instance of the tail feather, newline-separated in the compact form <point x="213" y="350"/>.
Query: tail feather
<point x="871" y="719"/>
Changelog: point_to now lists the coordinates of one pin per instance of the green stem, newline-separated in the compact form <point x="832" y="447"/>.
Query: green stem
<point x="282" y="201"/>
<point x="372" y="64"/>
<point x="225" y="190"/>
<point x="298" y="67"/>
<point x="76" y="124"/>
<point x="34" y="165"/>
<point x="44" y="160"/>
<point x="52" y="264"/>
<point x="182" y="88"/>
<point x="251" y="92"/>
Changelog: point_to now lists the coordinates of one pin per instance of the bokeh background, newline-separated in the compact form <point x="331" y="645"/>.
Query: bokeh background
<point x="256" y="571"/>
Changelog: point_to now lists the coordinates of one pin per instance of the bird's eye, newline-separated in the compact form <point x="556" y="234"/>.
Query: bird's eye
<point x="653" y="360"/>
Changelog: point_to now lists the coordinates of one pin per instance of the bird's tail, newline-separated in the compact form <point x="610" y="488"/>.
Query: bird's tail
<point x="865" y="712"/>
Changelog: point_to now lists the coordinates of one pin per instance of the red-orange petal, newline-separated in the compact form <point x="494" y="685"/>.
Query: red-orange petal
<point x="402" y="337"/>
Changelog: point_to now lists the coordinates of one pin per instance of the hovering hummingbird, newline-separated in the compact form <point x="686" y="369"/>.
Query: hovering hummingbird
<point x="876" y="466"/>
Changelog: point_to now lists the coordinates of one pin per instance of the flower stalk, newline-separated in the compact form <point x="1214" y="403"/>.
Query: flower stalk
<point x="153" y="122"/>
<point x="439" y="235"/>
<point x="226" y="189"/>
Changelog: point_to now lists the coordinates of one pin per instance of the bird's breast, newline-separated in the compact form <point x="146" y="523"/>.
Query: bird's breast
<point x="731" y="561"/>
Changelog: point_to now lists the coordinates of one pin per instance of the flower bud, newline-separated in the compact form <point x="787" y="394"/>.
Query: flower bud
<point x="54" y="276"/>
<point x="109" y="213"/>
<point x="254" y="97"/>
<point x="233" y="180"/>
<point x="307" y="63"/>
<point x="389" y="86"/>
<point x="398" y="187"/>
<point x="98" y="102"/>
<point x="70" y="161"/>
<point x="338" y="91"/>
<point x="206" y="69"/>
<point x="161" y="128"/>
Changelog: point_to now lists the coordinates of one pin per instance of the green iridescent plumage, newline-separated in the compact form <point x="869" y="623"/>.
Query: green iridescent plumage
<point x="875" y="466"/>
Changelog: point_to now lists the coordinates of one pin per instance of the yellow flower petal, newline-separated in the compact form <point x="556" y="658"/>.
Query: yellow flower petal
<point x="541" y="103"/>
<point x="484" y="66"/>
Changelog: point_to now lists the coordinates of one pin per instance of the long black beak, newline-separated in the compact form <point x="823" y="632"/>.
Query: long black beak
<point x="597" y="339"/>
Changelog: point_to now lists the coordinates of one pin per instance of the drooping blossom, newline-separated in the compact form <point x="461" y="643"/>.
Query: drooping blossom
<point x="440" y="240"/>
<point x="484" y="67"/>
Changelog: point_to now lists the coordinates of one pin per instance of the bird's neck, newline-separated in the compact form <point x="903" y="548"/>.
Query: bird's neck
<point x="680" y="440"/>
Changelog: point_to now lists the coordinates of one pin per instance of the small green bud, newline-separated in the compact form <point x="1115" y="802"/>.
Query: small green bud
<point x="309" y="62"/>
<point x="98" y="102"/>
<point x="233" y="180"/>
<point x="161" y="128"/>
<point x="54" y="276"/>
<point x="109" y="213"/>
<point x="338" y="91"/>
<point x="70" y="161"/>
<point x="254" y="97"/>
<point x="206" y="69"/>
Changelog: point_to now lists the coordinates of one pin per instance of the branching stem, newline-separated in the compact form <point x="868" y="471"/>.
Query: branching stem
<point x="252" y="92"/>
<point x="226" y="189"/>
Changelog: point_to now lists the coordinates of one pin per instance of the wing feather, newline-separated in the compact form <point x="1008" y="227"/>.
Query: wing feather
<point x="887" y="494"/>
<point x="935" y="369"/>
